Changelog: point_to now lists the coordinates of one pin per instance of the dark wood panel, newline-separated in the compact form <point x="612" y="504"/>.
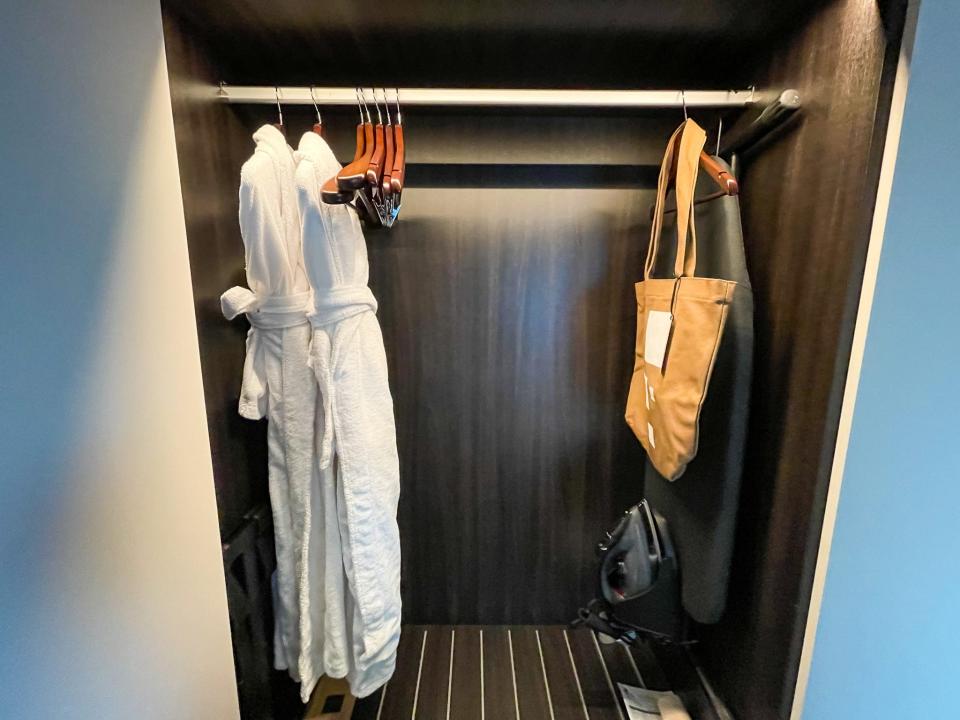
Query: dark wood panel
<point x="598" y="693"/>
<point x="620" y="665"/>
<point x="367" y="708"/>
<point x="562" y="680"/>
<point x="501" y="136"/>
<point x="499" y="691"/>
<point x="509" y="320"/>
<point x="684" y="680"/>
<point x="429" y="42"/>
<point x="211" y="146"/>
<point x="532" y="695"/>
<point x="434" y="684"/>
<point x="649" y="667"/>
<point x="807" y="201"/>
<point x="465" y="683"/>
<point x="398" y="695"/>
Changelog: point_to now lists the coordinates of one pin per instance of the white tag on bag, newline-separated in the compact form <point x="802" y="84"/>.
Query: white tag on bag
<point x="657" y="335"/>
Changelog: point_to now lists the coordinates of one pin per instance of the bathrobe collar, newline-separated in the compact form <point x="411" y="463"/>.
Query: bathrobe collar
<point x="315" y="149"/>
<point x="272" y="143"/>
<point x="269" y="139"/>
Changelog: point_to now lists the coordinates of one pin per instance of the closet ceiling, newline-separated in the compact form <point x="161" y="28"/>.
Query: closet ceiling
<point x="548" y="43"/>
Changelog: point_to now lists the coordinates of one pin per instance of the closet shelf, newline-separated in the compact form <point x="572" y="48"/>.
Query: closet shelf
<point x="469" y="97"/>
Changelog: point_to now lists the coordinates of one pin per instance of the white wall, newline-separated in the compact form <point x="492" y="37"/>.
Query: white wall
<point x="112" y="600"/>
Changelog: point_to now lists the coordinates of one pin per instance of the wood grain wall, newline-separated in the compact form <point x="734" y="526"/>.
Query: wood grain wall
<point x="536" y="43"/>
<point x="212" y="144"/>
<point x="807" y="206"/>
<point x="509" y="320"/>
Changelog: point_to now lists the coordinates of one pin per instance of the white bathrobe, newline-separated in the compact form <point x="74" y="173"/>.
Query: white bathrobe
<point x="277" y="381"/>
<point x="352" y="618"/>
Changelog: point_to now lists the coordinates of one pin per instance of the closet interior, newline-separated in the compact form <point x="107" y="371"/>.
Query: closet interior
<point x="507" y="306"/>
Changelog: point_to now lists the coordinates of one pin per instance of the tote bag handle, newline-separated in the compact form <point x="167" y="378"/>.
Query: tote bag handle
<point x="691" y="138"/>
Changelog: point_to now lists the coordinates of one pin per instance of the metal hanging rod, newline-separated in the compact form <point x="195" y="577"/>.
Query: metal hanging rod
<point x="774" y="116"/>
<point x="267" y="95"/>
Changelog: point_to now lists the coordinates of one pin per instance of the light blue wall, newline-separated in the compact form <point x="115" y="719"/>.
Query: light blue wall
<point x="112" y="599"/>
<point x="888" y="643"/>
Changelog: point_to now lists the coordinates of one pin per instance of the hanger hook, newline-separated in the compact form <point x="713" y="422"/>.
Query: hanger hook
<point x="356" y="92"/>
<point x="363" y="99"/>
<point x="373" y="91"/>
<point x="386" y="105"/>
<point x="683" y="100"/>
<point x="314" y="99"/>
<point x="276" y="92"/>
<point x="719" y="133"/>
<point x="399" y="120"/>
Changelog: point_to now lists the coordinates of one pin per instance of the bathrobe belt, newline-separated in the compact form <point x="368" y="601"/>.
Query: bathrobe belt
<point x="335" y="318"/>
<point x="270" y="313"/>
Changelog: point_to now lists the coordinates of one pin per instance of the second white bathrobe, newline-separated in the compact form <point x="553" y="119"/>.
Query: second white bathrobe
<point x="357" y="603"/>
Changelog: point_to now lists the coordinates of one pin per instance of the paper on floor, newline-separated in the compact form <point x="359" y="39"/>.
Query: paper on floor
<point x="643" y="704"/>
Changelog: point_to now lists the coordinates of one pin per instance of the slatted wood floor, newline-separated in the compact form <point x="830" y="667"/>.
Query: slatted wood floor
<point x="469" y="672"/>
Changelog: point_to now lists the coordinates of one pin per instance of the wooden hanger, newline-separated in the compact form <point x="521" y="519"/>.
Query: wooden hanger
<point x="353" y="176"/>
<point x="724" y="175"/>
<point x="375" y="166"/>
<point x="368" y="195"/>
<point x="331" y="192"/>
<point x="724" y="179"/>
<point x="721" y="176"/>
<point x="399" y="157"/>
<point x="374" y="178"/>
<point x="385" y="187"/>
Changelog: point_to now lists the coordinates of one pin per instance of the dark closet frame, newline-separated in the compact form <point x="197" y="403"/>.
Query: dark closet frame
<point x="807" y="203"/>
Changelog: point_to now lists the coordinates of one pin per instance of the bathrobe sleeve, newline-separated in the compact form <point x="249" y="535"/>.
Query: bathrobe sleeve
<point x="260" y="225"/>
<point x="261" y="222"/>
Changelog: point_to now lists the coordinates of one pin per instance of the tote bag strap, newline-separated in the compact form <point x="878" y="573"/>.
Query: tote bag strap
<point x="691" y="139"/>
<point x="665" y="167"/>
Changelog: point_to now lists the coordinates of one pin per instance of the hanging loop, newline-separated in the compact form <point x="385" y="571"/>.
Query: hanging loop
<point x="386" y="105"/>
<point x="315" y="107"/>
<point x="363" y="99"/>
<point x="399" y="120"/>
<point x="373" y="91"/>
<point x="276" y="92"/>
<point x="683" y="101"/>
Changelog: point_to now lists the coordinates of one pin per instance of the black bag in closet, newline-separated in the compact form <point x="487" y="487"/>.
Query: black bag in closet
<point x="701" y="506"/>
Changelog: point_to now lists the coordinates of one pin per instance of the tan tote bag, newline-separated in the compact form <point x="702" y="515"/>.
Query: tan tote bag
<point x="680" y="322"/>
